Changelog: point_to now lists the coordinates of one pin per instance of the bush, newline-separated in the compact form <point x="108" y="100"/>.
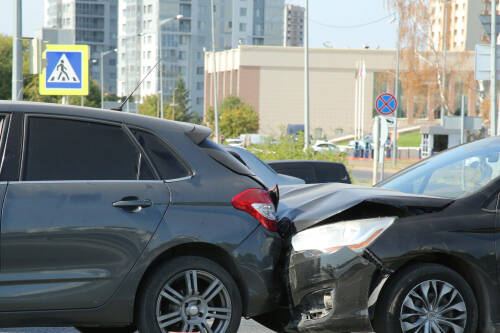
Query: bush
<point x="292" y="148"/>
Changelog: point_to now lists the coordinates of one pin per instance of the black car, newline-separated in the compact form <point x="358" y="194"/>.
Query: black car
<point x="116" y="220"/>
<point x="313" y="172"/>
<point x="417" y="253"/>
<point x="265" y="173"/>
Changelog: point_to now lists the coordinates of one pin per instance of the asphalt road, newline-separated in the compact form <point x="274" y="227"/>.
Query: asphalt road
<point x="247" y="326"/>
<point x="364" y="176"/>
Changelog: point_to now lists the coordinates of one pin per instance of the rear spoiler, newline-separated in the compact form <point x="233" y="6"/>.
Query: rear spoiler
<point x="198" y="133"/>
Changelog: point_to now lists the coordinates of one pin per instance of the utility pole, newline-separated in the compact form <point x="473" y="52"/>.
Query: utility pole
<point x="493" y="40"/>
<point x="173" y="103"/>
<point x="396" y="93"/>
<point x="103" y="54"/>
<point x="445" y="45"/>
<point x="17" y="53"/>
<point x="306" y="75"/>
<point x="214" y="74"/>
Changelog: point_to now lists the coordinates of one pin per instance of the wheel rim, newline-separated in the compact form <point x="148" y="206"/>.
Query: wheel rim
<point x="196" y="301"/>
<point x="433" y="306"/>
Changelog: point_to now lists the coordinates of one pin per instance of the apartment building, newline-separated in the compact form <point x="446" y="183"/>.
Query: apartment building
<point x="460" y="20"/>
<point x="294" y="26"/>
<point x="237" y="22"/>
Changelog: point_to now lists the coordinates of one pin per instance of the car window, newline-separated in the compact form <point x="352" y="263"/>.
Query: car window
<point x="453" y="173"/>
<point x="64" y="149"/>
<point x="168" y="165"/>
<point x="331" y="173"/>
<point x="303" y="171"/>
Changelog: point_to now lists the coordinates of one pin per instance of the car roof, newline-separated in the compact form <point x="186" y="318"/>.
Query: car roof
<point x="302" y="162"/>
<point x="196" y="132"/>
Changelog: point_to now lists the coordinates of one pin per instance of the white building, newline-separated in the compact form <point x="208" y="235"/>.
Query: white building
<point x="294" y="26"/>
<point x="464" y="30"/>
<point x="245" y="22"/>
<point x="88" y="22"/>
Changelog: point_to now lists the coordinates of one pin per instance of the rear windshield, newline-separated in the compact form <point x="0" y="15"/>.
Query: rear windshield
<point x="223" y="157"/>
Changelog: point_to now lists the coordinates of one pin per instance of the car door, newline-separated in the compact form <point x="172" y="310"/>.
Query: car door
<point x="85" y="204"/>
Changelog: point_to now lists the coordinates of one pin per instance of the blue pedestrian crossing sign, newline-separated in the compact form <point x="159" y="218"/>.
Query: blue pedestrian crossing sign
<point x="65" y="71"/>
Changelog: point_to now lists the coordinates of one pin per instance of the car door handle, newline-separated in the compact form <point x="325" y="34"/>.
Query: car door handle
<point x="132" y="203"/>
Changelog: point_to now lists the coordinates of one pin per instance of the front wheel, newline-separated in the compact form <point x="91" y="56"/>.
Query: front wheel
<point x="190" y="294"/>
<point x="427" y="298"/>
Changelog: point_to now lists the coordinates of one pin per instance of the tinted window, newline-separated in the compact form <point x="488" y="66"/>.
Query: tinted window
<point x="164" y="160"/>
<point x="300" y="170"/>
<point x="332" y="173"/>
<point x="62" y="149"/>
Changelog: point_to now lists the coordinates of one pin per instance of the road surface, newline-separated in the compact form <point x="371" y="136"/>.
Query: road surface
<point x="247" y="326"/>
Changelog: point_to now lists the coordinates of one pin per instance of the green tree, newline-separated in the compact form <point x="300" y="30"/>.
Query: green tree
<point x="6" y="65"/>
<point x="235" y="118"/>
<point x="181" y="111"/>
<point x="148" y="106"/>
<point x="31" y="91"/>
<point x="93" y="99"/>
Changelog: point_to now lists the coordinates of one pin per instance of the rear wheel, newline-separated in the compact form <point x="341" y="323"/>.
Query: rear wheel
<point x="427" y="298"/>
<point x="190" y="294"/>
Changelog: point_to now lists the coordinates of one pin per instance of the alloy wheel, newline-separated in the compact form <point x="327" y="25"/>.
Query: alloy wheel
<point x="193" y="301"/>
<point x="433" y="306"/>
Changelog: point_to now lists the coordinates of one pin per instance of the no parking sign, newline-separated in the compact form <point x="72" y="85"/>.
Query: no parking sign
<point x="386" y="104"/>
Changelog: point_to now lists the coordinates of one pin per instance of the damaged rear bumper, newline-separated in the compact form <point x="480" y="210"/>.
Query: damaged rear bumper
<point x="330" y="291"/>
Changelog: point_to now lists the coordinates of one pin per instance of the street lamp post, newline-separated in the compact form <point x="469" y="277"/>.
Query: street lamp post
<point x="214" y="73"/>
<point x="493" y="66"/>
<point x="103" y="54"/>
<point x="396" y="93"/>
<point x="160" y="56"/>
<point x="17" y="53"/>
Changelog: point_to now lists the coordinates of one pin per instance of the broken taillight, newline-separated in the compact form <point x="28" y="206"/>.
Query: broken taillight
<point x="257" y="203"/>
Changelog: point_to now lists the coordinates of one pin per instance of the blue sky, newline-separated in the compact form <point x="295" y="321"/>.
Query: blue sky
<point x="323" y="13"/>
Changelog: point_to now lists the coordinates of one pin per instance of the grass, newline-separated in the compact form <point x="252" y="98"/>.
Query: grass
<point x="409" y="139"/>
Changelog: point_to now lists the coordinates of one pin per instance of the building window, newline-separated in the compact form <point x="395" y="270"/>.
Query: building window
<point x="243" y="12"/>
<point x="243" y="27"/>
<point x="200" y="70"/>
<point x="199" y="85"/>
<point x="199" y="100"/>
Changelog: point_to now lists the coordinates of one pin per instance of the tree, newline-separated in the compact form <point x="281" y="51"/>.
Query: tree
<point x="181" y="111"/>
<point x="93" y="99"/>
<point x="148" y="106"/>
<point x="6" y="65"/>
<point x="31" y="91"/>
<point x="235" y="118"/>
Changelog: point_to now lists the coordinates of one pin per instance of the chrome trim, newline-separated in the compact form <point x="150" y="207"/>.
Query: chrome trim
<point x="83" y="181"/>
<point x="177" y="179"/>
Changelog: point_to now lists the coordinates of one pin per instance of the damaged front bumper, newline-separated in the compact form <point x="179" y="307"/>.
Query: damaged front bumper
<point x="332" y="292"/>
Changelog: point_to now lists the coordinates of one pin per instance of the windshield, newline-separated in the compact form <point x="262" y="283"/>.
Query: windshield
<point x="451" y="174"/>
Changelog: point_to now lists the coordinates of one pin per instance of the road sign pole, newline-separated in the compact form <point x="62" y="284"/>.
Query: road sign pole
<point x="306" y="75"/>
<point x="376" y="141"/>
<point x="396" y="94"/>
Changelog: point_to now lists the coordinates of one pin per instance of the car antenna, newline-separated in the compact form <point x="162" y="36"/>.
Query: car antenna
<point x="120" y="108"/>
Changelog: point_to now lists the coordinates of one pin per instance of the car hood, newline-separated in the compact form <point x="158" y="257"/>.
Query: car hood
<point x="309" y="205"/>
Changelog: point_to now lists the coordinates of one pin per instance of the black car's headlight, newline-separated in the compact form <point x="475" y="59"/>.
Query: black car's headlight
<point x="356" y="235"/>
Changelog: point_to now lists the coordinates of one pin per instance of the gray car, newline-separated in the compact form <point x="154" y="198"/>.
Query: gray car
<point x="112" y="222"/>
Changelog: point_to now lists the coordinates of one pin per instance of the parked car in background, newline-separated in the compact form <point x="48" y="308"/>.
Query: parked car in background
<point x="324" y="146"/>
<point x="267" y="174"/>
<point x="313" y="172"/>
<point x="416" y="253"/>
<point x="234" y="142"/>
<point x="114" y="221"/>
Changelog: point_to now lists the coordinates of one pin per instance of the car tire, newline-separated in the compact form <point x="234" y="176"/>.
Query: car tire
<point x="128" y="329"/>
<point x="409" y="301"/>
<point x="171" y="299"/>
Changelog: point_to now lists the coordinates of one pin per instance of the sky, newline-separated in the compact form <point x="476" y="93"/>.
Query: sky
<point x="331" y="22"/>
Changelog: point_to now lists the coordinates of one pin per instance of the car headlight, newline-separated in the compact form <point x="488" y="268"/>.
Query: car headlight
<point x="356" y="235"/>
